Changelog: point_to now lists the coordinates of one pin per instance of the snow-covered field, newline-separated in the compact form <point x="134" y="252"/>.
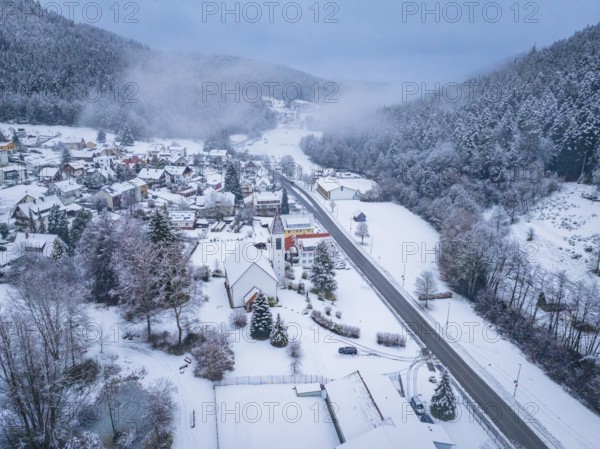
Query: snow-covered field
<point x="566" y="230"/>
<point x="403" y="245"/>
<point x="269" y="416"/>
<point x="90" y="134"/>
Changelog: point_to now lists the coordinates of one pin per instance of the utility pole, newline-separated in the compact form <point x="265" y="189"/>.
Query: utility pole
<point x="371" y="250"/>
<point x="517" y="381"/>
<point x="448" y="315"/>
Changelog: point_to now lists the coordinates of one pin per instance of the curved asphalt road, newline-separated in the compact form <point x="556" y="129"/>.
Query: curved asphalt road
<point x="505" y="417"/>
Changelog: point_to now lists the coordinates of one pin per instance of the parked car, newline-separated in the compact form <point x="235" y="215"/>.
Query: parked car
<point x="348" y="350"/>
<point x="417" y="405"/>
<point x="260" y="245"/>
<point x="433" y="379"/>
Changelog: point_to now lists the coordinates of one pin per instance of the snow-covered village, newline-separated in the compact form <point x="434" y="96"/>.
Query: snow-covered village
<point x="198" y="269"/>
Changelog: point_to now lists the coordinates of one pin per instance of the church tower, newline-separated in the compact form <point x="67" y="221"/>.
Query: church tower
<point x="278" y="248"/>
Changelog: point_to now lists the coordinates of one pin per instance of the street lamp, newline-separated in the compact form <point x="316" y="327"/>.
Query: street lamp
<point x="517" y="381"/>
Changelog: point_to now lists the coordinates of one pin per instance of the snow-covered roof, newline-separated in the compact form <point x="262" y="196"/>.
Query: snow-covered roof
<point x="77" y="165"/>
<point x="30" y="243"/>
<point x="412" y="435"/>
<point x="42" y="204"/>
<point x="137" y="182"/>
<point x="177" y="170"/>
<point x="356" y="412"/>
<point x="182" y="215"/>
<point x="328" y="184"/>
<point x="277" y="225"/>
<point x="49" y="172"/>
<point x="67" y="186"/>
<point x="267" y="196"/>
<point x="151" y="173"/>
<point x="118" y="188"/>
<point x="236" y="265"/>
<point x="31" y="240"/>
<point x="310" y="244"/>
<point x="371" y="413"/>
<point x="298" y="221"/>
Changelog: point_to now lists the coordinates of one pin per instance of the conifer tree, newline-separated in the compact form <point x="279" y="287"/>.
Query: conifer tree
<point x="32" y="226"/>
<point x="97" y="248"/>
<point x="4" y="230"/>
<point x="80" y="222"/>
<point x="101" y="136"/>
<point x="58" y="224"/>
<point x="285" y="205"/>
<point x="58" y="251"/>
<point x="42" y="227"/>
<point x="261" y="323"/>
<point x="127" y="137"/>
<point x="161" y="229"/>
<point x="232" y="182"/>
<point x="322" y="273"/>
<point x="443" y="402"/>
<point x="65" y="157"/>
<point x="279" y="334"/>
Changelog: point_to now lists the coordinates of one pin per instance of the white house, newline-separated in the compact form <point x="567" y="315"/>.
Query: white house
<point x="336" y="189"/>
<point x="49" y="174"/>
<point x="297" y="224"/>
<point x="119" y="195"/>
<point x="152" y="176"/>
<point x="217" y="156"/>
<point x="266" y="204"/>
<point x="305" y="246"/>
<point x="67" y="190"/>
<point x="36" y="208"/>
<point x="30" y="243"/>
<point x="183" y="219"/>
<point x="247" y="274"/>
<point x="176" y="174"/>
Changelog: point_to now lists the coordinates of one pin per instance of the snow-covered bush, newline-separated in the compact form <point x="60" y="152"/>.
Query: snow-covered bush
<point x="238" y="319"/>
<point x="213" y="355"/>
<point x="391" y="340"/>
<point x="337" y="328"/>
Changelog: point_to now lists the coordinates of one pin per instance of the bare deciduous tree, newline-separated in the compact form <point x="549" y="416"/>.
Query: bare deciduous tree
<point x="425" y="286"/>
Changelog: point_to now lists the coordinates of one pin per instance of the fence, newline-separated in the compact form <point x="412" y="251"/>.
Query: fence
<point x="274" y="379"/>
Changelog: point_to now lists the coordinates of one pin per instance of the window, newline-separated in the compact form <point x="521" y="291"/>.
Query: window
<point x="278" y="244"/>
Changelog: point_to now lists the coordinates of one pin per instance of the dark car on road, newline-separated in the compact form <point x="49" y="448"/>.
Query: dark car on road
<point x="348" y="350"/>
<point x="260" y="245"/>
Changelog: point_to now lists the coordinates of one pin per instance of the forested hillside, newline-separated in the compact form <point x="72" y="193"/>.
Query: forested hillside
<point x="54" y="71"/>
<point x="507" y="142"/>
<point x="537" y="115"/>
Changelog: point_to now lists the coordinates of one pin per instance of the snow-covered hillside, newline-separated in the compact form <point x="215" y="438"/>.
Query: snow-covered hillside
<point x="566" y="227"/>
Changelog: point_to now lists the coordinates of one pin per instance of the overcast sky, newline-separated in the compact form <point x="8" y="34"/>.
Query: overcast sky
<point x="372" y="40"/>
